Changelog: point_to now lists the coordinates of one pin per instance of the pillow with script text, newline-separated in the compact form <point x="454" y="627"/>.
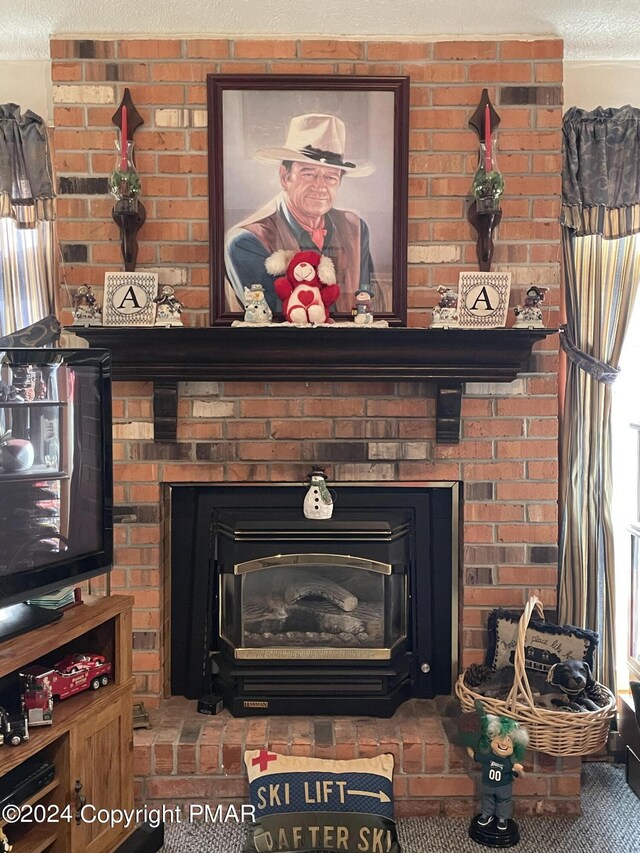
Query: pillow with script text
<point x="544" y="643"/>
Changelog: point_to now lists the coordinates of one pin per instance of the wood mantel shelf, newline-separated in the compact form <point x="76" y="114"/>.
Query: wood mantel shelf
<point x="449" y="357"/>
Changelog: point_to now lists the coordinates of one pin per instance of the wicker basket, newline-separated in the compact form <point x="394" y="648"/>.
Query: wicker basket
<point x="553" y="732"/>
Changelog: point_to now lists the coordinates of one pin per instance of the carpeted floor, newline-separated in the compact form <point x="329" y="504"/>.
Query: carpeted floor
<point x="610" y="823"/>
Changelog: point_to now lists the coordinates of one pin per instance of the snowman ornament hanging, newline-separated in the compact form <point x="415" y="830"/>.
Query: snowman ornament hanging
<point x="318" y="502"/>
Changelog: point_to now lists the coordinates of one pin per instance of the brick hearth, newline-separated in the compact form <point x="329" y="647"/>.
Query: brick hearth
<point x="189" y="757"/>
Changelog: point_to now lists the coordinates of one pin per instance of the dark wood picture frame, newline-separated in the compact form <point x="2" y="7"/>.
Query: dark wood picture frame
<point x="268" y="103"/>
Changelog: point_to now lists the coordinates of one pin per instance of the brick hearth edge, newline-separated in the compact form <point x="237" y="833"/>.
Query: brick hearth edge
<point x="189" y="757"/>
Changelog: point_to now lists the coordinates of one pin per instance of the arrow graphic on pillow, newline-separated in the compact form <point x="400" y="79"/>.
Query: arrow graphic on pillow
<point x="379" y="796"/>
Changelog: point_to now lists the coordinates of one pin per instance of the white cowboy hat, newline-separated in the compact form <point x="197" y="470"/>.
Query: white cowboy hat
<point x="316" y="138"/>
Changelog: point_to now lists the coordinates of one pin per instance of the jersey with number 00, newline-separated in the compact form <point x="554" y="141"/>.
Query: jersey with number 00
<point x="496" y="771"/>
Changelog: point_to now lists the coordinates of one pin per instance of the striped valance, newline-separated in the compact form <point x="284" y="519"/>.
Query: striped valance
<point x="610" y="222"/>
<point x="27" y="214"/>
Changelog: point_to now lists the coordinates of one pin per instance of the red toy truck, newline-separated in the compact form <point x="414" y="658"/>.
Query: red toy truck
<point x="37" y="705"/>
<point x="71" y="675"/>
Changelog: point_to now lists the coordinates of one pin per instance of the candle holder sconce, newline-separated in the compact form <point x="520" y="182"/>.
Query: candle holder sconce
<point x="128" y="212"/>
<point x="488" y="184"/>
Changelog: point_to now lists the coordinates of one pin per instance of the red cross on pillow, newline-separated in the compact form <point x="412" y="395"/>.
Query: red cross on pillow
<point x="263" y="758"/>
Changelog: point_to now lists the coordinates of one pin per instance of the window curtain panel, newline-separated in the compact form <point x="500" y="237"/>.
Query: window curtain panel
<point x="27" y="221"/>
<point x="601" y="254"/>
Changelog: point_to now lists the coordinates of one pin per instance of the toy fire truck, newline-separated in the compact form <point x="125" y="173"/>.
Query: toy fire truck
<point x="13" y="730"/>
<point x="37" y="705"/>
<point x="71" y="675"/>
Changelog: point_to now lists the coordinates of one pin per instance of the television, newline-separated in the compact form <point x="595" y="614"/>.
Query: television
<point x="56" y="482"/>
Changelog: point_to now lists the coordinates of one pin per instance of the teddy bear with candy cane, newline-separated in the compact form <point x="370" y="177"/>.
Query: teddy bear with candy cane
<point x="306" y="287"/>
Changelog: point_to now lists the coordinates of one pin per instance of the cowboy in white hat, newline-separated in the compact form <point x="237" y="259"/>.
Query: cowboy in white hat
<point x="312" y="164"/>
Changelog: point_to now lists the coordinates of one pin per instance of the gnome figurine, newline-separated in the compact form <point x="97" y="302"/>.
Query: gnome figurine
<point x="318" y="502"/>
<point x="500" y="750"/>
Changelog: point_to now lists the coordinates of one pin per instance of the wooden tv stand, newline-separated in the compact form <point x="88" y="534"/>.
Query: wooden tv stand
<point x="91" y="740"/>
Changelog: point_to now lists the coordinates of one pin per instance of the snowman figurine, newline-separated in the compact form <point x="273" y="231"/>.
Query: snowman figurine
<point x="256" y="309"/>
<point x="529" y="315"/>
<point x="318" y="502"/>
<point x="362" y="312"/>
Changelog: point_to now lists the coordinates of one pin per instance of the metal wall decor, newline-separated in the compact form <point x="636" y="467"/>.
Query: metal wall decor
<point x="129" y="213"/>
<point x="488" y="184"/>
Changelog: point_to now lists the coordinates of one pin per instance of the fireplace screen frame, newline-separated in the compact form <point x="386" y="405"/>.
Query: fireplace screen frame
<point x="318" y="652"/>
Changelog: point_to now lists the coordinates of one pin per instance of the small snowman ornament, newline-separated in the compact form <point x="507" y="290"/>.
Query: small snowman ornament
<point x="529" y="315"/>
<point x="318" y="502"/>
<point x="256" y="309"/>
<point x="362" y="311"/>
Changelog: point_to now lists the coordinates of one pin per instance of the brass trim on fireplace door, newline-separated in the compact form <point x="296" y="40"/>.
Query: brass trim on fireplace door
<point x="312" y="652"/>
<point x="341" y="560"/>
<point x="456" y="616"/>
<point x="166" y="496"/>
<point x="317" y="653"/>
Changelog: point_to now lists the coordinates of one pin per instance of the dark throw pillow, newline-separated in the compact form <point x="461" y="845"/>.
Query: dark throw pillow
<point x="314" y="804"/>
<point x="44" y="333"/>
<point x="545" y="644"/>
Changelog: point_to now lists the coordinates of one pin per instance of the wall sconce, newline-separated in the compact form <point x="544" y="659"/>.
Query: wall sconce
<point x="128" y="213"/>
<point x="488" y="184"/>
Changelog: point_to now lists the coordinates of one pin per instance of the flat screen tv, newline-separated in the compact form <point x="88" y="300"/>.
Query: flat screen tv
<point x="56" y="482"/>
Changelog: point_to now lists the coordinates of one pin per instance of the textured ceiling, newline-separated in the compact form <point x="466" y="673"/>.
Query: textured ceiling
<point x="591" y="29"/>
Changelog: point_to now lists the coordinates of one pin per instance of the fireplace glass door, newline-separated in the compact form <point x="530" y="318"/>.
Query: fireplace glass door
<point x="313" y="607"/>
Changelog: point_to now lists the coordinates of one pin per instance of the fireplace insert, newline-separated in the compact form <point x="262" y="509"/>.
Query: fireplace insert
<point x="349" y="615"/>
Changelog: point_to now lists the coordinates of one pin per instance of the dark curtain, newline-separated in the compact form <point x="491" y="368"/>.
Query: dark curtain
<point x="27" y="228"/>
<point x="26" y="184"/>
<point x="601" y="171"/>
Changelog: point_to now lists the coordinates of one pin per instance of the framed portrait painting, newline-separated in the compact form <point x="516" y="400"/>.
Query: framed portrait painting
<point x="308" y="163"/>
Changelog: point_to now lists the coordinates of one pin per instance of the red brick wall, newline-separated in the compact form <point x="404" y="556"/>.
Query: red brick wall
<point x="379" y="431"/>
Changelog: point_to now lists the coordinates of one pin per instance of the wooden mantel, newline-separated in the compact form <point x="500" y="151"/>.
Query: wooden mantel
<point x="449" y="357"/>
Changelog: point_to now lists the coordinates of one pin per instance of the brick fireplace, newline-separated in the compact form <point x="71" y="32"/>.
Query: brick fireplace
<point x="373" y="431"/>
<point x="506" y="463"/>
<point x="506" y="460"/>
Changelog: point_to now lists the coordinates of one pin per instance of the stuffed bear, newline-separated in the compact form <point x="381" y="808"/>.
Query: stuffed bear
<point x="309" y="287"/>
